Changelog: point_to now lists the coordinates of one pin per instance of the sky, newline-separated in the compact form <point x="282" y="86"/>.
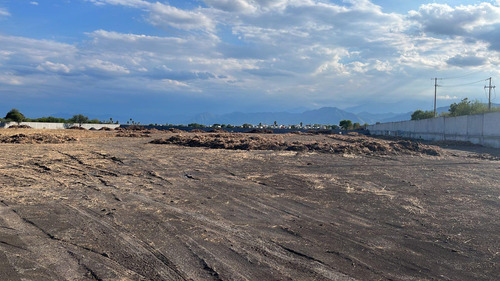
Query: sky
<point x="151" y="60"/>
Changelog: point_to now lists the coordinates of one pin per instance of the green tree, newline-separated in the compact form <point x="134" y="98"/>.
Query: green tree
<point x="420" y="114"/>
<point x="346" y="124"/>
<point x="15" y="115"/>
<point x="467" y="107"/>
<point x="246" y="125"/>
<point x="356" y="126"/>
<point x="80" y="119"/>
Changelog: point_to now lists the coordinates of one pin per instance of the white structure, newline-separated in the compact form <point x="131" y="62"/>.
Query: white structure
<point x="483" y="129"/>
<point x="40" y="125"/>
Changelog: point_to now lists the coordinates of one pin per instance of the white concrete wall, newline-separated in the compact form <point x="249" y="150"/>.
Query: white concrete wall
<point x="40" y="125"/>
<point x="481" y="129"/>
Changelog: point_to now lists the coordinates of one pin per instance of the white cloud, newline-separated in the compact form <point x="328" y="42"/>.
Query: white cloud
<point x="10" y="79"/>
<point x="163" y="15"/>
<point x="4" y="12"/>
<point x="128" y="3"/>
<point x="166" y="16"/>
<point x="34" y="3"/>
<point x="105" y="66"/>
<point x="304" y="51"/>
<point x="447" y="97"/>
<point x="54" y="67"/>
<point x="461" y="20"/>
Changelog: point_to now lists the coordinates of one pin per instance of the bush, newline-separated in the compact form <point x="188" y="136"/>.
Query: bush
<point x="15" y="115"/>
<point x="80" y="119"/>
<point x="419" y="115"/>
<point x="346" y="124"/>
<point x="467" y="107"/>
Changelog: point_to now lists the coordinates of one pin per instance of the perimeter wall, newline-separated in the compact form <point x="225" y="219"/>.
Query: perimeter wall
<point x="40" y="125"/>
<point x="483" y="129"/>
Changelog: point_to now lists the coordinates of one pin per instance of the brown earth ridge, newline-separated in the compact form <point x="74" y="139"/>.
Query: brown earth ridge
<point x="115" y="205"/>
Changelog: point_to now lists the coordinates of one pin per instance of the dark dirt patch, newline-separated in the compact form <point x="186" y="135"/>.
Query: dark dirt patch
<point x="76" y="128"/>
<point x="217" y="130"/>
<point x="261" y="131"/>
<point x="145" y="134"/>
<point x="120" y="209"/>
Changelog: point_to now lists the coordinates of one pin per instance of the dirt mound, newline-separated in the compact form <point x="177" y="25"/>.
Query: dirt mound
<point x="176" y="131"/>
<point x="19" y="127"/>
<point x="260" y="131"/>
<point x="241" y="142"/>
<point x="353" y="134"/>
<point x="197" y="131"/>
<point x="131" y="128"/>
<point x="36" y="138"/>
<point x="77" y="128"/>
<point x="105" y="129"/>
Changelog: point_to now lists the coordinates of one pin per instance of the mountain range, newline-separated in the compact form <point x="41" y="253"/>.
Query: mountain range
<point x="324" y="115"/>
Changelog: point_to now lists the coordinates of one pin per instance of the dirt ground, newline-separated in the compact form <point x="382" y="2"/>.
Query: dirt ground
<point x="81" y="205"/>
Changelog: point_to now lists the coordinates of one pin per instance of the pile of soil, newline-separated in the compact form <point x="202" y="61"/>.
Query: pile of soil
<point x="131" y="128"/>
<point x="197" y="131"/>
<point x="176" y="131"/>
<point x="77" y="128"/>
<point x="19" y="127"/>
<point x="36" y="138"/>
<point x="261" y="131"/>
<point x="242" y="142"/>
<point x="105" y="129"/>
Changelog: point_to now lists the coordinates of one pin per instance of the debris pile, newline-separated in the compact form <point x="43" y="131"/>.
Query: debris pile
<point x="36" y="138"/>
<point x="19" y="127"/>
<point x="175" y="131"/>
<point x="364" y="146"/>
<point x="131" y="128"/>
<point x="77" y="128"/>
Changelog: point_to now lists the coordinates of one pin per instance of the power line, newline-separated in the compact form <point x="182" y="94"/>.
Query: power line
<point x="460" y="85"/>
<point x="462" y="76"/>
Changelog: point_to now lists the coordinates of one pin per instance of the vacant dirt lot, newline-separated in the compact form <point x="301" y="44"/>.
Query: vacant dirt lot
<point x="79" y="205"/>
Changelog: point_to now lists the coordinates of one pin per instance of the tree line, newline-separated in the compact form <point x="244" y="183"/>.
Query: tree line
<point x="15" y="115"/>
<point x="464" y="107"/>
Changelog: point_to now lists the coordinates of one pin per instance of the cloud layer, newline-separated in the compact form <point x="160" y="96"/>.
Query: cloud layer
<point x="288" y="52"/>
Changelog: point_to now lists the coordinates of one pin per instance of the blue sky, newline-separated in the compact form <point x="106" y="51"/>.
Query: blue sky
<point x="150" y="60"/>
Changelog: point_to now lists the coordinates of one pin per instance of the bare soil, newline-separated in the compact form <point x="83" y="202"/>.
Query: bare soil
<point x="102" y="207"/>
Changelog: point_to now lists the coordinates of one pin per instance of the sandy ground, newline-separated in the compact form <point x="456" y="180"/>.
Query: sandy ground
<point x="102" y="207"/>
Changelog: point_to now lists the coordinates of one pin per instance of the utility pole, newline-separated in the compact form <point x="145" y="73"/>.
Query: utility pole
<point x="435" y="94"/>
<point x="489" y="95"/>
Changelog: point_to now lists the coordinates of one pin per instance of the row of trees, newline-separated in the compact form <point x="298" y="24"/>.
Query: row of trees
<point x="464" y="107"/>
<point x="15" y="115"/>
